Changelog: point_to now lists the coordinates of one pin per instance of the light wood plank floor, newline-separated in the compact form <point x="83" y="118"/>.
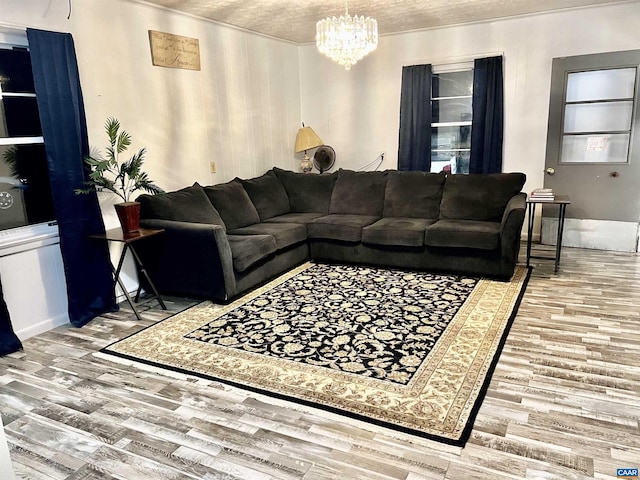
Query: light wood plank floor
<point x="564" y="402"/>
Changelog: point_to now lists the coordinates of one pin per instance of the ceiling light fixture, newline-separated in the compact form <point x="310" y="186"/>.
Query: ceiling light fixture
<point x="347" y="39"/>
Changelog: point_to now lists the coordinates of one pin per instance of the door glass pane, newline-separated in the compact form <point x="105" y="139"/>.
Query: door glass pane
<point x="598" y="117"/>
<point x="452" y="84"/>
<point x="601" y="85"/>
<point x="607" y="148"/>
<point x="451" y="110"/>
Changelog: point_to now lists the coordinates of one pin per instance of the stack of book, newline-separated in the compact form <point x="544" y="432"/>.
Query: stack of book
<point x="542" y="195"/>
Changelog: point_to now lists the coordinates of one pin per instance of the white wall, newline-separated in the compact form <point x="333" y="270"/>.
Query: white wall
<point x="241" y="110"/>
<point x="357" y="112"/>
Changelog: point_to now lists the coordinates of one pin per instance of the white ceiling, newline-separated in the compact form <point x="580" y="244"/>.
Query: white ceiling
<point x="295" y="20"/>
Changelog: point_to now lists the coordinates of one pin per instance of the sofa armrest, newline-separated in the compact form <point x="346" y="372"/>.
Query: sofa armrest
<point x="514" y="209"/>
<point x="511" y="229"/>
<point x="189" y="259"/>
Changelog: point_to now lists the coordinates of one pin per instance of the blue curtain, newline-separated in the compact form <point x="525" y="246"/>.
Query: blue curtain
<point x="86" y="262"/>
<point x="488" y="116"/>
<point x="9" y="342"/>
<point x="414" y="144"/>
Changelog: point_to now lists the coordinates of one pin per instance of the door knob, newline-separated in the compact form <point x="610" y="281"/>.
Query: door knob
<point x="550" y="171"/>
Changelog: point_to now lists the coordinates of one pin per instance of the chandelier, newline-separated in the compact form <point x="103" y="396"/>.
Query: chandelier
<point x="347" y="39"/>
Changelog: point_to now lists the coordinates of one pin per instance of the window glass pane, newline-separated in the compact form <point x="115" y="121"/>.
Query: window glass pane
<point x="451" y="110"/>
<point x="19" y="117"/>
<point x="612" y="148"/>
<point x="598" y="117"/>
<point x="450" y="161"/>
<point x="15" y="71"/>
<point x="601" y="85"/>
<point x="447" y="138"/>
<point x="452" y="84"/>
<point x="25" y="193"/>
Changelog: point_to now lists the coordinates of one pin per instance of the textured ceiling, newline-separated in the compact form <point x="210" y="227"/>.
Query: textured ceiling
<point x="295" y="20"/>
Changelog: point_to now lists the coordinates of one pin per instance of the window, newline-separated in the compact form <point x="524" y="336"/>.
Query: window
<point x="25" y="192"/>
<point x="597" y="115"/>
<point x="451" y="117"/>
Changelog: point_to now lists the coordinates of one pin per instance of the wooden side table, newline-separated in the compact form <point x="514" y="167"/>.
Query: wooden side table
<point x="116" y="235"/>
<point x="562" y="201"/>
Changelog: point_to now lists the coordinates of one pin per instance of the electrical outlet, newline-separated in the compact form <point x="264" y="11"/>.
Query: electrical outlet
<point x="212" y="167"/>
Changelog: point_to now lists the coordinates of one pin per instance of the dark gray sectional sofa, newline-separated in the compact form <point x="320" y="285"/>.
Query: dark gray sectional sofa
<point x="225" y="239"/>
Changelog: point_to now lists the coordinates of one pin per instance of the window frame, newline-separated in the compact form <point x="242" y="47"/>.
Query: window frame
<point x="21" y="238"/>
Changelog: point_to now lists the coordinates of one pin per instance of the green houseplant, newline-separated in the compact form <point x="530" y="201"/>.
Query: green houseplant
<point x="120" y="177"/>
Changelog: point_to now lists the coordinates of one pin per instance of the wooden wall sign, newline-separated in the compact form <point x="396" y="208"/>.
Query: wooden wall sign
<point x="174" y="51"/>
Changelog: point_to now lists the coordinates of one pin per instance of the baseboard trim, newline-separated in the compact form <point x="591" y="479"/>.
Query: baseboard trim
<point x="595" y="234"/>
<point x="43" y="326"/>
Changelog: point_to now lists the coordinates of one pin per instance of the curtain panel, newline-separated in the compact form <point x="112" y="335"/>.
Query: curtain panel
<point x="414" y="143"/>
<point x="86" y="262"/>
<point x="488" y="116"/>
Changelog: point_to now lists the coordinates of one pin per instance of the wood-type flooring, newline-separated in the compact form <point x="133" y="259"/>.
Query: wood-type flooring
<point x="564" y="402"/>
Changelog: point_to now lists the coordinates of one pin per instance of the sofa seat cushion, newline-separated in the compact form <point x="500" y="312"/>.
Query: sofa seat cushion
<point x="403" y="231"/>
<point x="187" y="205"/>
<point x="464" y="234"/>
<point x="285" y="234"/>
<point x="247" y="250"/>
<point x="347" y="228"/>
<point x="301" y="218"/>
<point x="479" y="196"/>
<point x="233" y="203"/>
<point x="268" y="195"/>
<point x="359" y="193"/>
<point x="413" y="194"/>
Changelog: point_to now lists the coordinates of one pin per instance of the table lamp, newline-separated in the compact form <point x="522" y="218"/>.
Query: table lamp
<point x="306" y="139"/>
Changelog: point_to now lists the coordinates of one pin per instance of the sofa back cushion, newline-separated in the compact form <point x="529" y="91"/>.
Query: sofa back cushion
<point x="187" y="205"/>
<point x="233" y="203"/>
<point x="479" y="196"/>
<point x="268" y="195"/>
<point x="413" y="194"/>
<point x="359" y="193"/>
<point x="308" y="193"/>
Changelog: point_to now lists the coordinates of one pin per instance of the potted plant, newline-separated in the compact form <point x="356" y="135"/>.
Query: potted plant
<point x="121" y="178"/>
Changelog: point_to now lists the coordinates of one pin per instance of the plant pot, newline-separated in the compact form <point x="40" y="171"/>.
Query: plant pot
<point x="129" y="216"/>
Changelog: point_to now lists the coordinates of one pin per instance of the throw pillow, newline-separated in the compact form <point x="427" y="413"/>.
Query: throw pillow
<point x="268" y="195"/>
<point x="189" y="204"/>
<point x="233" y="203"/>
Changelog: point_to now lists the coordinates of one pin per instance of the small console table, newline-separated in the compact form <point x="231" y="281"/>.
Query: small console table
<point x="128" y="239"/>
<point x="562" y="201"/>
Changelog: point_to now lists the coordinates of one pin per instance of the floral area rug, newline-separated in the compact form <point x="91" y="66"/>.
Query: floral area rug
<point x="411" y="351"/>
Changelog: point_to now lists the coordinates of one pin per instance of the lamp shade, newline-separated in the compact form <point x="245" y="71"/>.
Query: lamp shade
<point x="307" y="139"/>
